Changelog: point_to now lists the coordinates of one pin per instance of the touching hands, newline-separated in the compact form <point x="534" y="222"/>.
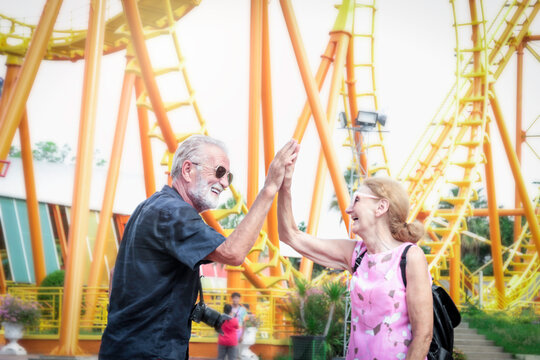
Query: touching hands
<point x="289" y="171"/>
<point x="282" y="164"/>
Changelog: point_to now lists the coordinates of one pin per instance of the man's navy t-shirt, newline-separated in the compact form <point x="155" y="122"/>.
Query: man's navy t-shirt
<point x="155" y="280"/>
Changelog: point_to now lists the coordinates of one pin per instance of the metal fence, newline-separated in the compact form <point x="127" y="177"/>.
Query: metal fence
<point x="276" y="327"/>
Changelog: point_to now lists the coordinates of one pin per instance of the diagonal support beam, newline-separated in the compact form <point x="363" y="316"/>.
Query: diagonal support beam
<point x="137" y="36"/>
<point x="316" y="107"/>
<point x="15" y="106"/>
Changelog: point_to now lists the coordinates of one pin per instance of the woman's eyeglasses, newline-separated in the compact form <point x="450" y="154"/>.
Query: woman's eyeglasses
<point x="369" y="196"/>
<point x="219" y="170"/>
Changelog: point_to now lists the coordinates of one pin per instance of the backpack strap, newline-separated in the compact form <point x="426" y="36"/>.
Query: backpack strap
<point x="358" y="261"/>
<point x="403" y="263"/>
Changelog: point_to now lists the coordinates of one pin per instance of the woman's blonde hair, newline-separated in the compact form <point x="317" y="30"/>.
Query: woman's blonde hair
<point x="398" y="208"/>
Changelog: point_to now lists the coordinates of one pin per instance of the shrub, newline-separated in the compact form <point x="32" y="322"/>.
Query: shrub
<point x="54" y="279"/>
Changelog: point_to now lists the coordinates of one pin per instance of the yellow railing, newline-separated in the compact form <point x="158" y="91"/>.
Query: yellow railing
<point x="275" y="325"/>
<point x="50" y="304"/>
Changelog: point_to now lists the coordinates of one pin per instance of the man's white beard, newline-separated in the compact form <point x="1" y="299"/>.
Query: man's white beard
<point x="202" y="196"/>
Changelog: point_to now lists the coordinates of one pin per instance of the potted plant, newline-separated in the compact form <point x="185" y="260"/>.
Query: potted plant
<point x="251" y="324"/>
<point x="317" y="313"/>
<point x="252" y="321"/>
<point x="15" y="315"/>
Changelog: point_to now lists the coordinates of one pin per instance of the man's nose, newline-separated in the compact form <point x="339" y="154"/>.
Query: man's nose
<point x="224" y="181"/>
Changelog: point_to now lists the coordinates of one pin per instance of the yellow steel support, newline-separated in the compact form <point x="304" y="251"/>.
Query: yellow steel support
<point x="316" y="107"/>
<point x="96" y="269"/>
<point x="69" y="329"/>
<point x="32" y="206"/>
<point x="494" y="228"/>
<point x="15" y="105"/>
<point x="519" y="136"/>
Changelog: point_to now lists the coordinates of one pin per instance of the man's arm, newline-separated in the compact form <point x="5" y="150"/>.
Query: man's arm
<point x="237" y="245"/>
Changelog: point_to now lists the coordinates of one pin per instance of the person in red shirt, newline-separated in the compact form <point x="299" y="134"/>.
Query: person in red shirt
<point x="228" y="341"/>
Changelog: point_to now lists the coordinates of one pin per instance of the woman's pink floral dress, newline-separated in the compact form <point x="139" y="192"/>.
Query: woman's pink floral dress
<point x="380" y="327"/>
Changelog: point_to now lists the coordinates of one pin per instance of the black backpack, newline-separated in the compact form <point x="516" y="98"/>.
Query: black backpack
<point x="445" y="315"/>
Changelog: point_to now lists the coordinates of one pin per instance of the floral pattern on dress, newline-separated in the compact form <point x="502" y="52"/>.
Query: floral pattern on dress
<point x="380" y="327"/>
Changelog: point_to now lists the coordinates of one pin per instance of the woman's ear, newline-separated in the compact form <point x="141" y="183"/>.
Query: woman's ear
<point x="382" y="207"/>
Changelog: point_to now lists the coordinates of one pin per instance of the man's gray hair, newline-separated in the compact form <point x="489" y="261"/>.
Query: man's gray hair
<point x="192" y="149"/>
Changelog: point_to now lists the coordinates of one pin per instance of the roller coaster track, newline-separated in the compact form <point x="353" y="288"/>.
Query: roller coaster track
<point x="522" y="268"/>
<point x="15" y="35"/>
<point x="368" y="151"/>
<point x="449" y="154"/>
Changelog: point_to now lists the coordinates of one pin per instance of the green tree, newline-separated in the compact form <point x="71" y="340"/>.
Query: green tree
<point x="475" y="253"/>
<point x="351" y="179"/>
<point x="51" y="152"/>
<point x="231" y="221"/>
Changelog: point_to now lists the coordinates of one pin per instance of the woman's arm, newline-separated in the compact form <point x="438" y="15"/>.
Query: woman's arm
<point x="331" y="253"/>
<point x="419" y="304"/>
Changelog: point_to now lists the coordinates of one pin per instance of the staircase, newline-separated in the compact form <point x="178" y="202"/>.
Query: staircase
<point x="476" y="346"/>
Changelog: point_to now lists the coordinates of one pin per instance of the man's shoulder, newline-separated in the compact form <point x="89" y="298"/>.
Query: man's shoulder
<point x="168" y="199"/>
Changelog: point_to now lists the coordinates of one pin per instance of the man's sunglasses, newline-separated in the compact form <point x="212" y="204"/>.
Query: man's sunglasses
<point x="220" y="171"/>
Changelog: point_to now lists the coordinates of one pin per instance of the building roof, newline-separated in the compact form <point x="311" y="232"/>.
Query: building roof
<point x="54" y="185"/>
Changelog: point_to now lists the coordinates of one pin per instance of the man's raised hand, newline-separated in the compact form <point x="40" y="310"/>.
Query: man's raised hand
<point x="284" y="158"/>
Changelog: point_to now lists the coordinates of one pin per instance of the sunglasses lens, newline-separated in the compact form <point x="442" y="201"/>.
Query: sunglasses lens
<point x="220" y="171"/>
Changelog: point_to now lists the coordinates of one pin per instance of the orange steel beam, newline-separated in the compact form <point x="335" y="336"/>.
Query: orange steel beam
<point x="353" y="106"/>
<point x="96" y="269"/>
<point x="133" y="17"/>
<point x="494" y="226"/>
<point x="146" y="148"/>
<point x="15" y="105"/>
<point x="247" y="271"/>
<point x="519" y="132"/>
<point x="38" y="255"/>
<point x="60" y="231"/>
<point x="69" y="327"/>
<point x="255" y="67"/>
<point x="3" y="283"/>
<point x="342" y="41"/>
<point x="13" y="64"/>
<point x="268" y="128"/>
<point x="326" y="59"/>
<point x="254" y="118"/>
<point x="316" y="107"/>
<point x="516" y="172"/>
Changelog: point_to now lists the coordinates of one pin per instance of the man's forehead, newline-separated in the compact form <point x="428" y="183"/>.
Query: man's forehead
<point x="214" y="152"/>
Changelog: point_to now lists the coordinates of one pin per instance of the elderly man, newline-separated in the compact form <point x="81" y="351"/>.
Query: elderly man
<point x="156" y="275"/>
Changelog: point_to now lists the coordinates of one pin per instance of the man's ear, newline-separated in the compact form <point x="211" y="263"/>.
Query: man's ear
<point x="187" y="168"/>
<point x="382" y="207"/>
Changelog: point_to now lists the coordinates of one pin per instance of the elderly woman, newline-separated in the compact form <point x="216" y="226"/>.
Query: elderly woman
<point x="389" y="320"/>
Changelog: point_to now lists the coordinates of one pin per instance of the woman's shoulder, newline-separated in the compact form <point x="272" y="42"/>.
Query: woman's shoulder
<point x="415" y="253"/>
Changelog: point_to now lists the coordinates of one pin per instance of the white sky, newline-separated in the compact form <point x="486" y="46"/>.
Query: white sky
<point x="414" y="72"/>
